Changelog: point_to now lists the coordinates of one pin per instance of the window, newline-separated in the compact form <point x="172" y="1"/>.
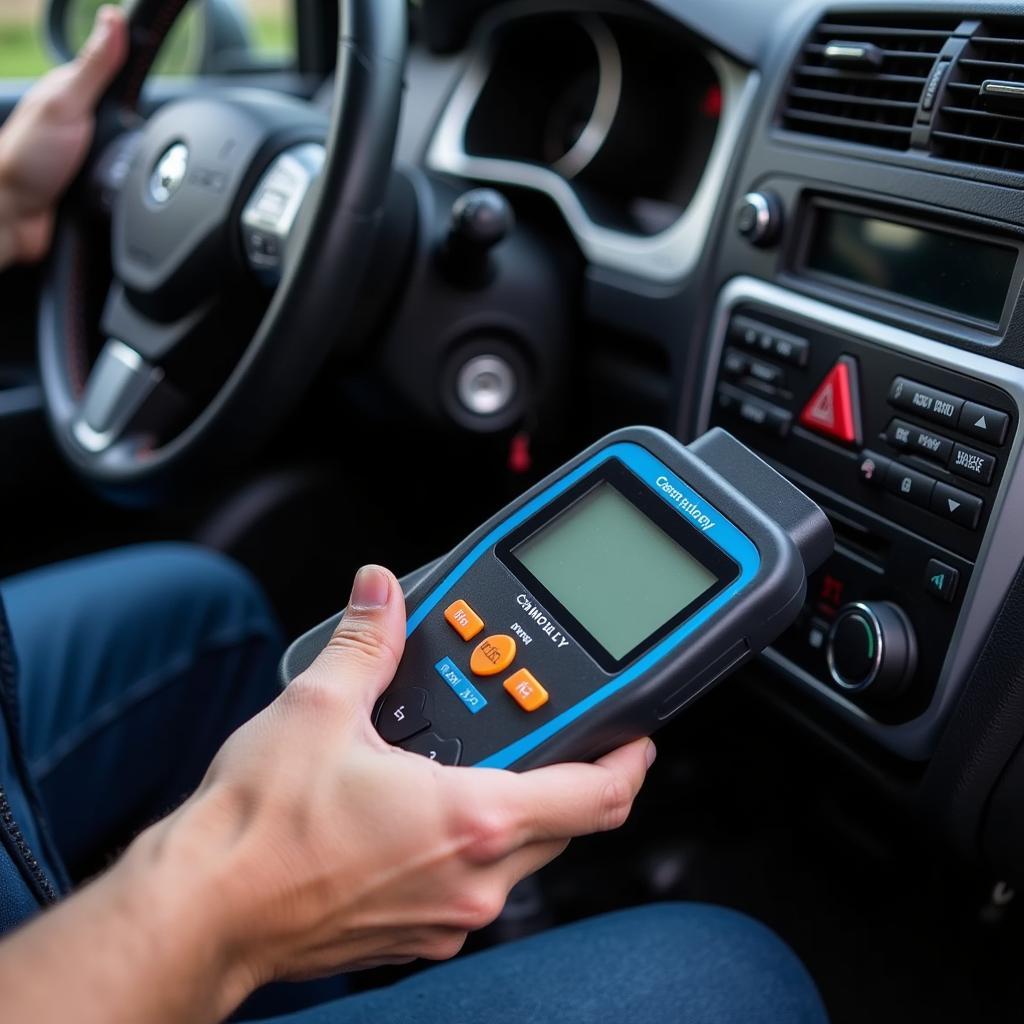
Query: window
<point x="211" y="36"/>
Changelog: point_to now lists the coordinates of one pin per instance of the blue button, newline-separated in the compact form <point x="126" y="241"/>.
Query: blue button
<point x="461" y="686"/>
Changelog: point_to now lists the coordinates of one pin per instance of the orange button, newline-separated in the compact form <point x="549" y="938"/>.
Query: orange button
<point x="463" y="619"/>
<point x="493" y="655"/>
<point x="528" y="693"/>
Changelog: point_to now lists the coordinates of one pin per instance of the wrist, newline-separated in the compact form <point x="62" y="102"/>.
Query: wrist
<point x="177" y="885"/>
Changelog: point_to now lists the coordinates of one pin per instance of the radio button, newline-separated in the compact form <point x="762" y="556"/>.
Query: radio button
<point x="873" y="468"/>
<point x="909" y="484"/>
<point x="526" y="691"/>
<point x="957" y="506"/>
<point x="745" y="332"/>
<point x="902" y="434"/>
<point x="493" y="655"/>
<point x="734" y="363"/>
<point x="938" y="406"/>
<point x="984" y="423"/>
<point x="940" y="580"/>
<point x="972" y="464"/>
<point x="790" y="349"/>
<point x="767" y="373"/>
<point x="463" y="619"/>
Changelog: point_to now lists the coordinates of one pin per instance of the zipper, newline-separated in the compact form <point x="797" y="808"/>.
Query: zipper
<point x="29" y="862"/>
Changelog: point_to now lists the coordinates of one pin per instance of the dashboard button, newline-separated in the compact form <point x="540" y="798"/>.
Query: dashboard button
<point x="429" y="744"/>
<point x="792" y="350"/>
<point x="834" y="408"/>
<point x="767" y="373"/>
<point x="938" y="406"/>
<point x="873" y="468"/>
<point x="940" y="580"/>
<point x="909" y="484"/>
<point x="402" y="714"/>
<point x="972" y="464"/>
<point x="745" y="332"/>
<point x="902" y="434"/>
<point x="957" y="506"/>
<point x="984" y="423"/>
<point x="734" y="363"/>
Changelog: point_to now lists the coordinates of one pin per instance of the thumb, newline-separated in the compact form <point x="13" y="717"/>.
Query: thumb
<point x="365" y="649"/>
<point x="99" y="59"/>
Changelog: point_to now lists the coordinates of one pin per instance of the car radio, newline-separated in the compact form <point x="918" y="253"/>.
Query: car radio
<point x="911" y="447"/>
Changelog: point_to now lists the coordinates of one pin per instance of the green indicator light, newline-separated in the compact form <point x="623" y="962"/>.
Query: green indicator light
<point x="871" y="636"/>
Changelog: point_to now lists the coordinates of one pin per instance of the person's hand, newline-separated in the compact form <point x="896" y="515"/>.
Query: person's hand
<point x="47" y="136"/>
<point x="334" y="851"/>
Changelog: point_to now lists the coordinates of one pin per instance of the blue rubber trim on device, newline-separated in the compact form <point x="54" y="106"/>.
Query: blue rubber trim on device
<point x="461" y="686"/>
<point x="651" y="471"/>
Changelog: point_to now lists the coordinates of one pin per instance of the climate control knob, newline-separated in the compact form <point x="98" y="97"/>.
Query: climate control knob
<point x="871" y="647"/>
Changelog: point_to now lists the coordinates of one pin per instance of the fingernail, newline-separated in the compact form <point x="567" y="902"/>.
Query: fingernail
<point x="370" y="589"/>
<point x="651" y="753"/>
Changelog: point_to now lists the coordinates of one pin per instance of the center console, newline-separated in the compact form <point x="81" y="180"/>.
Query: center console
<point x="912" y="448"/>
<point x="867" y="339"/>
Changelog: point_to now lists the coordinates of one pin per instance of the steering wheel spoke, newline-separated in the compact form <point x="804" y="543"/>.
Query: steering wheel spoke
<point x="119" y="387"/>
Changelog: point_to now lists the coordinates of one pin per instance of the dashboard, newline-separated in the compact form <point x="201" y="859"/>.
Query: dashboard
<point x="818" y="219"/>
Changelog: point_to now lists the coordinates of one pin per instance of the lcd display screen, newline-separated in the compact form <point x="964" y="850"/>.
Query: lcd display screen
<point x="953" y="272"/>
<point x="613" y="569"/>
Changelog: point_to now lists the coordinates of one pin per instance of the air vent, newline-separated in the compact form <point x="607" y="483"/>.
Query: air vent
<point x="981" y="118"/>
<point x="860" y="77"/>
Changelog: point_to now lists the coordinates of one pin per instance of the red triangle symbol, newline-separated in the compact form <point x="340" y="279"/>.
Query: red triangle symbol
<point x="834" y="409"/>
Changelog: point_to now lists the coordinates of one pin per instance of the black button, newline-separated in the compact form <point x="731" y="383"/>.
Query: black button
<point x="429" y="744"/>
<point x="727" y="400"/>
<point x="403" y="713"/>
<point x="734" y="363"/>
<point x="984" y="423"/>
<point x="972" y="464"/>
<point x="817" y="634"/>
<point x="940" y="580"/>
<point x="873" y="468"/>
<point x="902" y="434"/>
<point x="939" y="406"/>
<point x="909" y="484"/>
<point x="854" y="648"/>
<point x="766" y="373"/>
<point x="957" y="506"/>
<point x="764" y="416"/>
<point x="791" y="349"/>
<point x="745" y="332"/>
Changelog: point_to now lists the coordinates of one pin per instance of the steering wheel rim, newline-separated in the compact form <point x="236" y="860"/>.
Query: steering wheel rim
<point x="319" y="286"/>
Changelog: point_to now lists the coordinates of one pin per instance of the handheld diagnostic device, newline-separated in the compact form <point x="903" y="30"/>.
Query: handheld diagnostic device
<point x="599" y="604"/>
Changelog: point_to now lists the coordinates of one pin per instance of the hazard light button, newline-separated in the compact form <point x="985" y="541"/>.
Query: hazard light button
<point x="834" y="409"/>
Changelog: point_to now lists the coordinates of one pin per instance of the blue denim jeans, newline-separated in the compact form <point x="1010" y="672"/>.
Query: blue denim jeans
<point x="133" y="668"/>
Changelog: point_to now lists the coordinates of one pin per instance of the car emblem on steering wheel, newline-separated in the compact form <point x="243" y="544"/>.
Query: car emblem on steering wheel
<point x="169" y="173"/>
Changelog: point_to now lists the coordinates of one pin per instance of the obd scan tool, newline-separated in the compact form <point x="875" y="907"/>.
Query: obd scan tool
<point x="598" y="605"/>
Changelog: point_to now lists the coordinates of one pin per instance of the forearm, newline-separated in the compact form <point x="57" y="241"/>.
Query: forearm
<point x="146" y="942"/>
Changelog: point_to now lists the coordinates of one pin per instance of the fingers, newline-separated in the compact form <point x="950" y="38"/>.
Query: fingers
<point x="363" y="654"/>
<point x="530" y="859"/>
<point x="569" y="800"/>
<point x="99" y="60"/>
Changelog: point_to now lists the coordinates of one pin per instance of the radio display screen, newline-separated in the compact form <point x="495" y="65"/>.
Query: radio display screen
<point x="953" y="272"/>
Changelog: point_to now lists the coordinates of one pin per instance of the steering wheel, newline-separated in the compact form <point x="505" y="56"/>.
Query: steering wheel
<point x="163" y="352"/>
